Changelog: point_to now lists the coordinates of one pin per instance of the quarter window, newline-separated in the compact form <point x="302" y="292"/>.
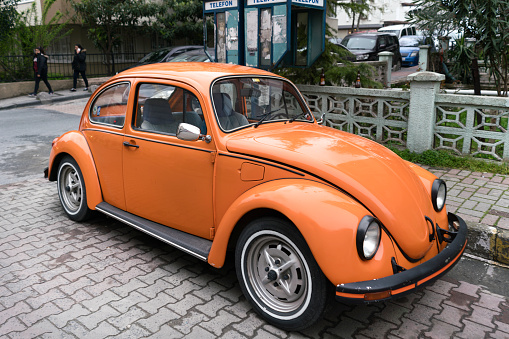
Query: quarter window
<point x="111" y="105"/>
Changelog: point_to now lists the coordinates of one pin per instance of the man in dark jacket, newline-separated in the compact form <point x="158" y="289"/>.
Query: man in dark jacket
<point x="40" y="70"/>
<point x="79" y="66"/>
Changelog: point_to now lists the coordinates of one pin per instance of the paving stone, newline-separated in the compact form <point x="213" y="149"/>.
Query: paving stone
<point x="441" y="329"/>
<point x="105" y="298"/>
<point x="153" y="305"/>
<point x="184" y="305"/>
<point x="92" y="320"/>
<point x="34" y="316"/>
<point x="60" y="320"/>
<point x="490" y="301"/>
<point x="133" y="285"/>
<point x="217" y="325"/>
<point x="473" y="330"/>
<point x="42" y="329"/>
<point x="408" y="329"/>
<point x="125" y="319"/>
<point x="451" y="315"/>
<point x="126" y="302"/>
<point x="186" y="323"/>
<point x="432" y="299"/>
<point x="211" y="308"/>
<point x="482" y="316"/>
<point x="154" y="322"/>
<point x="250" y="325"/>
<point x="422" y="314"/>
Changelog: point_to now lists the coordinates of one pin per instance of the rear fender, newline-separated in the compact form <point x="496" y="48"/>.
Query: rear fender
<point x="326" y="218"/>
<point x="73" y="143"/>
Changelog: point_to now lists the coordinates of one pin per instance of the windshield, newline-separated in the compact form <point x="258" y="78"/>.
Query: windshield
<point x="411" y="41"/>
<point x="246" y="101"/>
<point x="357" y="42"/>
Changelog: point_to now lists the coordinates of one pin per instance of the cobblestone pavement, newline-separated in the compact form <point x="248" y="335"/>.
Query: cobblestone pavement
<point x="61" y="279"/>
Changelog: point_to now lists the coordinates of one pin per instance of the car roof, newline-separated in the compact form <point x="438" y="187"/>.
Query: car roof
<point x="392" y="27"/>
<point x="197" y="72"/>
<point x="371" y="34"/>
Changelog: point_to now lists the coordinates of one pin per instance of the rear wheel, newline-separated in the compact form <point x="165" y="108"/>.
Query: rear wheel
<point x="71" y="190"/>
<point x="279" y="275"/>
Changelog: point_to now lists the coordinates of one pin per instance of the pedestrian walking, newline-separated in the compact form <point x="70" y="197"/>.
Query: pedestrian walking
<point x="79" y="66"/>
<point x="40" y="70"/>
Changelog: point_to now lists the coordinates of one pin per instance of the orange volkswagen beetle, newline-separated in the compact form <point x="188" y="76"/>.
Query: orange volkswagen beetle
<point x="211" y="157"/>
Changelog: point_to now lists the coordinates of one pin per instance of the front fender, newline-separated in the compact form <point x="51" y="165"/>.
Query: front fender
<point x="326" y="218"/>
<point x="73" y="143"/>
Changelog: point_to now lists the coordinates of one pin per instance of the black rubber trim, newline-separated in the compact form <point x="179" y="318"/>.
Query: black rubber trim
<point x="186" y="242"/>
<point x="413" y="275"/>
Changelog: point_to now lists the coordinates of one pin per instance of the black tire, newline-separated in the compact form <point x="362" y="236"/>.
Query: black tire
<point x="71" y="190"/>
<point x="397" y="66"/>
<point x="279" y="276"/>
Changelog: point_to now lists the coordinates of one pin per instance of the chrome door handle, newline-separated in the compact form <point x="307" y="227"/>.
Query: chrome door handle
<point x="130" y="145"/>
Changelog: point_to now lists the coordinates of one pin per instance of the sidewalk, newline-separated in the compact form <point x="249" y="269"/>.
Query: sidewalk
<point x="401" y="75"/>
<point x="481" y="199"/>
<point x="45" y="98"/>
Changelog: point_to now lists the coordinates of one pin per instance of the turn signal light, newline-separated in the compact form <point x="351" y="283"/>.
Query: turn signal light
<point x="377" y="296"/>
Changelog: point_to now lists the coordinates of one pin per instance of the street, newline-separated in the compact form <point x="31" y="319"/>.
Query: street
<point x="101" y="278"/>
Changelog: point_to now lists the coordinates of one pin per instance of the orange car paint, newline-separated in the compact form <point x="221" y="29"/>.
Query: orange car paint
<point x="215" y="184"/>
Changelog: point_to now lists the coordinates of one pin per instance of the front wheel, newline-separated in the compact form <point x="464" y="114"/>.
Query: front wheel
<point x="279" y="276"/>
<point x="71" y="190"/>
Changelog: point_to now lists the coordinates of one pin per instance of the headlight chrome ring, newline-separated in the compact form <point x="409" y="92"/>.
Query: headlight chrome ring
<point x="368" y="237"/>
<point x="438" y="194"/>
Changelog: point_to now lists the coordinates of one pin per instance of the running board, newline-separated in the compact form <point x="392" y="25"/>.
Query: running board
<point x="186" y="242"/>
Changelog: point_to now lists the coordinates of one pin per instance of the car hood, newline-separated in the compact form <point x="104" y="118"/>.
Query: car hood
<point x="361" y="51"/>
<point x="371" y="173"/>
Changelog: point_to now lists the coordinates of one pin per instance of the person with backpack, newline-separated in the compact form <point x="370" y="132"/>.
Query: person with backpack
<point x="40" y="70"/>
<point x="79" y="66"/>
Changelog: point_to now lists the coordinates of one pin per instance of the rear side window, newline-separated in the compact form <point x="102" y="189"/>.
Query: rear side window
<point x="110" y="106"/>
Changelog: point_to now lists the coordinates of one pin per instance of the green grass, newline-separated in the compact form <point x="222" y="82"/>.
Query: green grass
<point x="443" y="158"/>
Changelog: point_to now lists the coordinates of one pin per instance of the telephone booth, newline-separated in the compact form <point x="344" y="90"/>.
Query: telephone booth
<point x="268" y="33"/>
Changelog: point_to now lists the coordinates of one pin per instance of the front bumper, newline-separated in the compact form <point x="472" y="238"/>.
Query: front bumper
<point x="401" y="283"/>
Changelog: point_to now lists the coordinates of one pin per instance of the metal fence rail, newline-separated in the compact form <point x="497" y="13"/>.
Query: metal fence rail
<point x="20" y="67"/>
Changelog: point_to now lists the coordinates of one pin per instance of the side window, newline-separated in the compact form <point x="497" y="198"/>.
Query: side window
<point x="383" y="41"/>
<point x="161" y="108"/>
<point x="111" y="105"/>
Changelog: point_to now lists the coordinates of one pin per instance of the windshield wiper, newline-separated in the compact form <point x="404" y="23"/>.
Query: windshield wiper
<point x="265" y="116"/>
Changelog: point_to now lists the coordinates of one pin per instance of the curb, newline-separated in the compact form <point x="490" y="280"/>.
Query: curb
<point x="488" y="242"/>
<point x="46" y="101"/>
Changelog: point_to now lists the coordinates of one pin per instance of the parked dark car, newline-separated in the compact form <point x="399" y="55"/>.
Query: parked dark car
<point x="163" y="55"/>
<point x="366" y="46"/>
<point x="195" y="55"/>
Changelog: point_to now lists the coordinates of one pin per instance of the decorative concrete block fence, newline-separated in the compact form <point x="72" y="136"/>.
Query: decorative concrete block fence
<point x="420" y="119"/>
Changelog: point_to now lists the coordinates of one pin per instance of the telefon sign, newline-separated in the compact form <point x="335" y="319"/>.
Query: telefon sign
<point x="220" y="4"/>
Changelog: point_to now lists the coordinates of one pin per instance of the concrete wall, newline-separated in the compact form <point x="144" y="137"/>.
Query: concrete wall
<point x="15" y="89"/>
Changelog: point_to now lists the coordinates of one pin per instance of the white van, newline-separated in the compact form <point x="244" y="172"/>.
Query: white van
<point x="399" y="30"/>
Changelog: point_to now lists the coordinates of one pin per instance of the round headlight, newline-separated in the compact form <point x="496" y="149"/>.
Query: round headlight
<point x="368" y="237"/>
<point x="438" y="194"/>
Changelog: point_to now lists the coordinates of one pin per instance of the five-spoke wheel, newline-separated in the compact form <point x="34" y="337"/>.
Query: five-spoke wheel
<point x="279" y="275"/>
<point x="71" y="190"/>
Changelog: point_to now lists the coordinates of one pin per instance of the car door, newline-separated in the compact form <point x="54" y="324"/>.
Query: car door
<point x="167" y="180"/>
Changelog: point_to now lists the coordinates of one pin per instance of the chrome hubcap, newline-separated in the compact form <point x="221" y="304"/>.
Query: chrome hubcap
<point x="70" y="188"/>
<point x="277" y="273"/>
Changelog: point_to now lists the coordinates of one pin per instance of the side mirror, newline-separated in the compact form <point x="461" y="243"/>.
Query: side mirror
<point x="322" y="119"/>
<point x="188" y="132"/>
